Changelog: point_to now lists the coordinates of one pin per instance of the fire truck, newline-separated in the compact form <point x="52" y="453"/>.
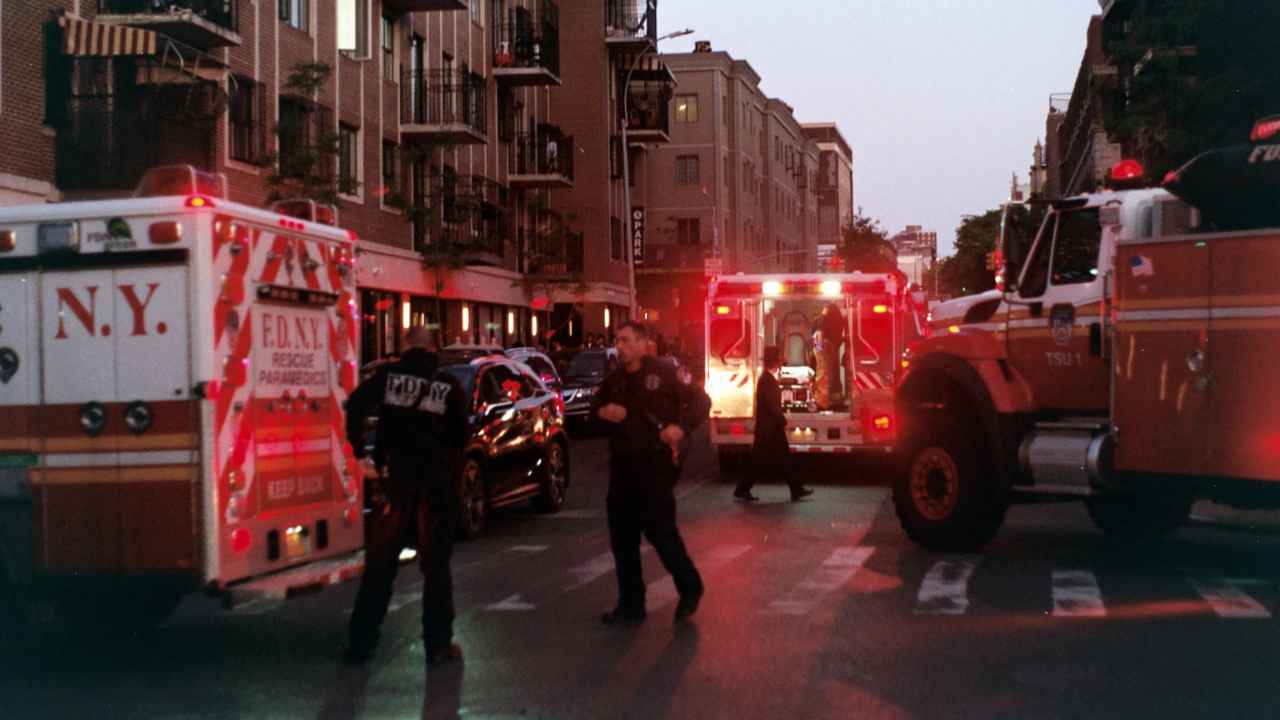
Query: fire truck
<point x="173" y="368"/>
<point x="1127" y="362"/>
<point x="876" y="317"/>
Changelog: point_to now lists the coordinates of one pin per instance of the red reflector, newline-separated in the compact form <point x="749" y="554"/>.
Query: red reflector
<point x="351" y="515"/>
<point x="165" y="233"/>
<point x="882" y="423"/>
<point x="199" y="201"/>
<point x="241" y="540"/>
<point x="738" y="429"/>
<point x="1171" y="177"/>
<point x="1127" y="170"/>
<point x="1265" y="129"/>
<point x="8" y="241"/>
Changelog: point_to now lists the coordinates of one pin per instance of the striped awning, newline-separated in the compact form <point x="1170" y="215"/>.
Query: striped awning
<point x="83" y="38"/>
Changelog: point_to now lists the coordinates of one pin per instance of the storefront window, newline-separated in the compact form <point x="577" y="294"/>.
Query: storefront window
<point x="379" y="325"/>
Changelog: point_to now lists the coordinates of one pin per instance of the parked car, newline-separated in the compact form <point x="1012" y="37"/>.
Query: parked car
<point x="517" y="448"/>
<point x="461" y="354"/>
<point x="582" y="380"/>
<point x="541" y="364"/>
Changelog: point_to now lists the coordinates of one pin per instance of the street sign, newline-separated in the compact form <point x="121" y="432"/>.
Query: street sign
<point x="637" y="236"/>
<point x="713" y="266"/>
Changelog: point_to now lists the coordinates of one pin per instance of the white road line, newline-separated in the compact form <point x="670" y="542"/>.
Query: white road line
<point x="528" y="548"/>
<point x="593" y="569"/>
<point x="1229" y="601"/>
<point x="410" y="595"/>
<point x="945" y="588"/>
<point x="661" y="593"/>
<point x="515" y="603"/>
<point x="836" y="571"/>
<point x="1076" y="594"/>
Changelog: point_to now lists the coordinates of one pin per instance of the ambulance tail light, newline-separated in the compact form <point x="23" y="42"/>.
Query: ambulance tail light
<point x="165" y="233"/>
<point x="880" y="309"/>
<point x="1265" y="129"/>
<point x="723" y="310"/>
<point x="199" y="202"/>
<point x="241" y="540"/>
<point x="882" y="423"/>
<point x="8" y="241"/>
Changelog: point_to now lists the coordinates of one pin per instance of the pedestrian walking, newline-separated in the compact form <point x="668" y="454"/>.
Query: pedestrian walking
<point x="421" y="425"/>
<point x="649" y="412"/>
<point x="770" y="449"/>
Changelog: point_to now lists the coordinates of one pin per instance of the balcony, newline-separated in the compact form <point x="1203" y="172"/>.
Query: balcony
<point x="630" y="26"/>
<point x="107" y="141"/>
<point x="648" y="112"/>
<point x="660" y="258"/>
<point x="551" y="251"/>
<point x="408" y="6"/>
<point x="541" y="160"/>
<point x="526" y="48"/>
<point x="202" y="24"/>
<point x="443" y="107"/>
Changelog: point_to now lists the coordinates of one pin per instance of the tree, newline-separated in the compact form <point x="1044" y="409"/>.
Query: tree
<point x="865" y="246"/>
<point x="966" y="272"/>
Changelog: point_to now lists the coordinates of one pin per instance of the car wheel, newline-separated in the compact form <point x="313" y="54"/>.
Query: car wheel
<point x="555" y="482"/>
<point x="942" y="500"/>
<point x="473" y="503"/>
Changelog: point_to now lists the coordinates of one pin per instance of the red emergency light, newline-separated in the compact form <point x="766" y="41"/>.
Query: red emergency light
<point x="1127" y="170"/>
<point x="1265" y="129"/>
<point x="199" y="201"/>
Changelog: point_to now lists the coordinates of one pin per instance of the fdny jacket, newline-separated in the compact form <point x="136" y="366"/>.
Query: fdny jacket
<point x="654" y="397"/>
<point x="420" y="410"/>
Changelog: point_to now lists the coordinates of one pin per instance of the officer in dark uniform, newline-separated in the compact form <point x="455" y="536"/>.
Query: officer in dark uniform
<point x="770" y="450"/>
<point x="421" y="426"/>
<point x="649" y="413"/>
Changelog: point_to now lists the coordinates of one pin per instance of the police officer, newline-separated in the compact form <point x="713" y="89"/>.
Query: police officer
<point x="649" y="412"/>
<point x="421" y="426"/>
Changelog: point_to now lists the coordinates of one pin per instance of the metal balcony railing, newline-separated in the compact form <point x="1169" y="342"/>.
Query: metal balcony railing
<point x="443" y="98"/>
<point x="546" y="152"/>
<point x="529" y="40"/>
<point x="219" y="12"/>
<point x="551" y="251"/>
<point x="648" y="108"/>
<point x="631" y="19"/>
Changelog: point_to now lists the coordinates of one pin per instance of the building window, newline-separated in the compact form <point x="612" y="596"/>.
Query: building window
<point x="353" y="27"/>
<point x="295" y="129"/>
<point x="296" y="13"/>
<point x="390" y="168"/>
<point x="615" y="238"/>
<point x="348" y="159"/>
<point x="477" y="12"/>
<point x="726" y="110"/>
<point x="247" y="125"/>
<point x="689" y="231"/>
<point x="687" y="109"/>
<point x="388" y="48"/>
<point x="687" y="170"/>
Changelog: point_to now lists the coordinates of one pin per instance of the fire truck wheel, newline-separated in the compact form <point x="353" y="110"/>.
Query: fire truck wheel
<point x="1140" y="517"/>
<point x="473" y="500"/>
<point x="942" y="499"/>
<point x="555" y="479"/>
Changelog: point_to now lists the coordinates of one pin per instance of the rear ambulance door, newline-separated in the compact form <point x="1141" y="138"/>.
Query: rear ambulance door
<point x="1160" y="352"/>
<point x="120" y="460"/>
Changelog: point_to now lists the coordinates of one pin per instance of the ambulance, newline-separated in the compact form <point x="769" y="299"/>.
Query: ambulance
<point x="173" y="368"/>
<point x="842" y="408"/>
<point x="1128" y="362"/>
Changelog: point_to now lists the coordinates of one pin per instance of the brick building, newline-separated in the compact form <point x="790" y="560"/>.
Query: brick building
<point x="835" y="183"/>
<point x="737" y="184"/>
<point x="437" y="114"/>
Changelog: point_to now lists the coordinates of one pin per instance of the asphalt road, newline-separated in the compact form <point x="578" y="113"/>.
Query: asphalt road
<point x="817" y="609"/>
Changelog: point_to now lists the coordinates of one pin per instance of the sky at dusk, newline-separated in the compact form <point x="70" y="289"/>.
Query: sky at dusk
<point x="941" y="100"/>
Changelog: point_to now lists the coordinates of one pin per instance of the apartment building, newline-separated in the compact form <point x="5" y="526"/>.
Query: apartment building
<point x="835" y="183"/>
<point x="734" y="190"/>
<point x="429" y="121"/>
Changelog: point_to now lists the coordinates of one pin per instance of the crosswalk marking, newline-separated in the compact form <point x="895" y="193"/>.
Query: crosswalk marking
<point x="661" y="593"/>
<point x="833" y="574"/>
<point x="515" y="603"/>
<point x="593" y="569"/>
<point x="531" y="549"/>
<point x="945" y="588"/>
<point x="1229" y="601"/>
<point x="1076" y="594"/>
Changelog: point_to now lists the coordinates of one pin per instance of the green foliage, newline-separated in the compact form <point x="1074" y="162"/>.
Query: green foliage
<point x="965" y="272"/>
<point x="865" y="246"/>
<point x="307" y="171"/>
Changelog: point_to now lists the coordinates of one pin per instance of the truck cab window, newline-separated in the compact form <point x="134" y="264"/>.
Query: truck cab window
<point x="1075" y="252"/>
<point x="1036" y="279"/>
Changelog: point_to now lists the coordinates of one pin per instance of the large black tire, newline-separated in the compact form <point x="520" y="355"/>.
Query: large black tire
<point x="943" y="497"/>
<point x="555" y="479"/>
<point x="473" y="500"/>
<point x="1140" y="517"/>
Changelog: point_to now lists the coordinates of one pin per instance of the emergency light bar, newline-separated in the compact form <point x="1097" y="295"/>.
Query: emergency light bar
<point x="777" y="288"/>
<point x="280" y="293"/>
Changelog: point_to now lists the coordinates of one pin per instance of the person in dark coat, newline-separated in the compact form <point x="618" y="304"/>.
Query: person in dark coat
<point x="770" y="451"/>
<point x="834" y="335"/>
<point x="649" y="413"/>
<point x="421" y="424"/>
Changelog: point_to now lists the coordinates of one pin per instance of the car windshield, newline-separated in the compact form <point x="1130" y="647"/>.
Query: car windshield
<point x="587" y="365"/>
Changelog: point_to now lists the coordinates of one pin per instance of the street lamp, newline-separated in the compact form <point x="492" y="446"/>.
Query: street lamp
<point x="626" y="159"/>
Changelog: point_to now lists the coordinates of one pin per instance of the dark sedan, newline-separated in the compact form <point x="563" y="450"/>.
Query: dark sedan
<point x="582" y="381"/>
<point x="517" y="448"/>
